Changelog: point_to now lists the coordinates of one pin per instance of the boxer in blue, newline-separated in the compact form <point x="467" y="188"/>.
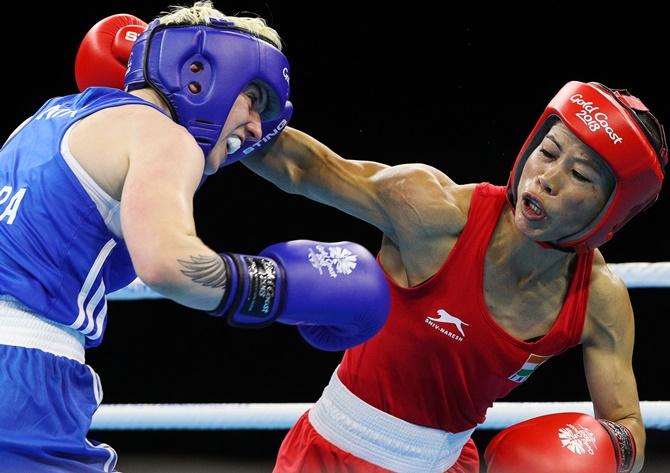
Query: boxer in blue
<point x="96" y="189"/>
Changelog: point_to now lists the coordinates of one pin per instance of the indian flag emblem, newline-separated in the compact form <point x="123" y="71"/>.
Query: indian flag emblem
<point x="531" y="364"/>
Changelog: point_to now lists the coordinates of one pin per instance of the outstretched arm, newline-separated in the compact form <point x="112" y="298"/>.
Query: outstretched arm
<point x="299" y="164"/>
<point x="399" y="200"/>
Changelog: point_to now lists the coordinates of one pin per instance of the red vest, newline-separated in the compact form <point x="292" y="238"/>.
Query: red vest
<point x="441" y="359"/>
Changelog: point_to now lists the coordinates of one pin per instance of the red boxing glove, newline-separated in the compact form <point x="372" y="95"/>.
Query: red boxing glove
<point x="560" y="443"/>
<point x="103" y="54"/>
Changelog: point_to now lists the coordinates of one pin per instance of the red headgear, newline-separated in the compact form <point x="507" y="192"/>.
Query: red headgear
<point x="605" y="120"/>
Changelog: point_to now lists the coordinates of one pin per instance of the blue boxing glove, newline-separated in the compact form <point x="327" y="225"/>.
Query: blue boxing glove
<point x="335" y="293"/>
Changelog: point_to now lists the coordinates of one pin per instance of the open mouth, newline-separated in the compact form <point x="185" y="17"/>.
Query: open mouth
<point x="532" y="207"/>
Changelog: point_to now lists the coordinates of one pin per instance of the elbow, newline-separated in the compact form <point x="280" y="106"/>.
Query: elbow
<point x="294" y="180"/>
<point x="156" y="274"/>
<point x="290" y="177"/>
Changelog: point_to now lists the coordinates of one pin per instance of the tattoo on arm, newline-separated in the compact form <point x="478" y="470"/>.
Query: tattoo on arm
<point x="209" y="270"/>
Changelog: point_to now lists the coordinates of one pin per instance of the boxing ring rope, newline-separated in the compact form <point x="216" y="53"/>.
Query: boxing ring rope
<point x="656" y="414"/>
<point x="635" y="275"/>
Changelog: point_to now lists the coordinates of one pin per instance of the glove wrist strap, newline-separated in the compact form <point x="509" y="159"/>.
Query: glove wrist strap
<point x="624" y="445"/>
<point x="255" y="287"/>
<point x="230" y="284"/>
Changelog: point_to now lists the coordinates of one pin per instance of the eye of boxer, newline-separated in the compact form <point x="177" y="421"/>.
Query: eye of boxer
<point x="258" y="96"/>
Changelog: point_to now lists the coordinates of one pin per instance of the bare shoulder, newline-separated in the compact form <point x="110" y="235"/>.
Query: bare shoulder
<point x="609" y="311"/>
<point x="128" y="125"/>
<point x="425" y="198"/>
<point x="105" y="142"/>
<point x="155" y="134"/>
<point x="163" y="151"/>
<point x="607" y="289"/>
<point x="148" y="127"/>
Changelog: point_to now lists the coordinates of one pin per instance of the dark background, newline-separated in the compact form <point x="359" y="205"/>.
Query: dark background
<point x="460" y="91"/>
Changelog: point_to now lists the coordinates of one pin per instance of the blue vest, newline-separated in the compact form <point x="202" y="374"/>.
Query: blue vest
<point x="57" y="256"/>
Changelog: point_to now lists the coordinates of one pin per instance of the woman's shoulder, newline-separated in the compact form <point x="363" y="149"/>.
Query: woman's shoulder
<point x="608" y="294"/>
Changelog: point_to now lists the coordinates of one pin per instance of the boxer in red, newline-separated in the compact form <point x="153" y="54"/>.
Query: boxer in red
<point x="487" y="283"/>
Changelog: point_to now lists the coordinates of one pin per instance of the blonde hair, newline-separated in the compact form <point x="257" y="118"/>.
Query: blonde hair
<point x="201" y="13"/>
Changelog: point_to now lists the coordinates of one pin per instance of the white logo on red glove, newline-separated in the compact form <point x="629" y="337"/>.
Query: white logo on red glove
<point x="579" y="440"/>
<point x="131" y="36"/>
<point x="337" y="260"/>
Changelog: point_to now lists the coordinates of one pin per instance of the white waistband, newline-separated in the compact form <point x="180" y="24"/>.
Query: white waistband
<point x="21" y="327"/>
<point x="379" y="438"/>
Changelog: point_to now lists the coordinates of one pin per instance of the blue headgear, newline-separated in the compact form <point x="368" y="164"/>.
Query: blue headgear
<point x="199" y="70"/>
